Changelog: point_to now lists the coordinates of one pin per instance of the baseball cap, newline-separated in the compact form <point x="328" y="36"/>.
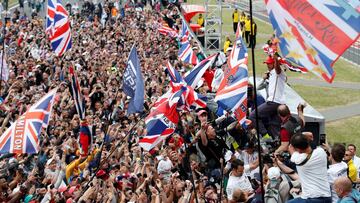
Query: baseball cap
<point x="273" y="173"/>
<point x="201" y="112"/>
<point x="269" y="60"/>
<point x="228" y="49"/>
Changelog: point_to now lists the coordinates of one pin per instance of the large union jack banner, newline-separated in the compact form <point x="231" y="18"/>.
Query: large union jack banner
<point x="313" y="33"/>
<point x="23" y="134"/>
<point x="232" y="93"/>
<point x="58" y="27"/>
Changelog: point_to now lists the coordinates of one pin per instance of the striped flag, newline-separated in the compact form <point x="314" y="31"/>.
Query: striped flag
<point x="314" y="34"/>
<point x="58" y="27"/>
<point x="291" y="66"/>
<point x="76" y="93"/>
<point x="164" y="29"/>
<point x="23" y="135"/>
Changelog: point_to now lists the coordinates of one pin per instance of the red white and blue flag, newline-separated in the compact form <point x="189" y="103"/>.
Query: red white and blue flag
<point x="23" y="135"/>
<point x="232" y="93"/>
<point x="164" y="29"/>
<point x="164" y="115"/>
<point x="85" y="138"/>
<point x="291" y="66"/>
<point x="51" y="10"/>
<point x="270" y="51"/>
<point x="193" y="76"/>
<point x="161" y="122"/>
<point x="76" y="93"/>
<point x="58" y="27"/>
<point x="239" y="53"/>
<point x="184" y="33"/>
<point x="314" y="34"/>
<point x="186" y="53"/>
<point x="189" y="99"/>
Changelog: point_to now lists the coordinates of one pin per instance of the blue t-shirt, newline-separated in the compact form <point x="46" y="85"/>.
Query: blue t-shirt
<point x="354" y="197"/>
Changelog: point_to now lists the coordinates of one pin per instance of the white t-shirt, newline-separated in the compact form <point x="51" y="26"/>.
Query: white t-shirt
<point x="249" y="159"/>
<point x="277" y="87"/>
<point x="335" y="171"/>
<point x="313" y="174"/>
<point x="356" y="161"/>
<point x="234" y="182"/>
<point x="164" y="166"/>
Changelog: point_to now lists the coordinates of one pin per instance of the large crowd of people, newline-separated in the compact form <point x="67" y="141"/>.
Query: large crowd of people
<point x="207" y="159"/>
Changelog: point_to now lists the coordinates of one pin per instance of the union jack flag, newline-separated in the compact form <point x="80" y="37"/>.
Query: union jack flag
<point x="186" y="53"/>
<point x="23" y="135"/>
<point x="314" y="34"/>
<point x="161" y="122"/>
<point x="58" y="27"/>
<point x="239" y="53"/>
<point x="185" y="33"/>
<point x="189" y="99"/>
<point x="193" y="76"/>
<point x="163" y="117"/>
<point x="232" y="93"/>
<point x="51" y="10"/>
<point x="76" y="93"/>
<point x="164" y="29"/>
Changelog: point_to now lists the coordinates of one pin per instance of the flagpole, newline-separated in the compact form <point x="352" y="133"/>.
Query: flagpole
<point x="256" y="105"/>
<point x="3" y="45"/>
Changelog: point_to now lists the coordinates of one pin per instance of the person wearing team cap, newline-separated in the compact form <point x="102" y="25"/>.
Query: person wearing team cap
<point x="268" y="110"/>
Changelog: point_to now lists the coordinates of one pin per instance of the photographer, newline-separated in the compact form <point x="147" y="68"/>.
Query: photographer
<point x="211" y="145"/>
<point x="312" y="170"/>
<point x="290" y="125"/>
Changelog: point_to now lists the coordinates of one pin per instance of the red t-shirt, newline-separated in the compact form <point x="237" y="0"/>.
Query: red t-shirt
<point x="284" y="135"/>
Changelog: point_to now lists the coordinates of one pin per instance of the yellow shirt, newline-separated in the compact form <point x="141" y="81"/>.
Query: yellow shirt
<point x="226" y="45"/>
<point x="78" y="165"/>
<point x="247" y="25"/>
<point x="242" y="18"/>
<point x="253" y="29"/>
<point x="236" y="17"/>
<point x="200" y="21"/>
<point x="352" y="171"/>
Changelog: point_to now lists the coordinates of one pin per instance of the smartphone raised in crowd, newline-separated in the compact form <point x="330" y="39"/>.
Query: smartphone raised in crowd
<point x="322" y="139"/>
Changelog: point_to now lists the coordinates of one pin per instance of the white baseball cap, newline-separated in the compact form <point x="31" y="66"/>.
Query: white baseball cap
<point x="274" y="173"/>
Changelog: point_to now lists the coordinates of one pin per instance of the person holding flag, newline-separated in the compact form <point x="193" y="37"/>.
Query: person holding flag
<point x="268" y="110"/>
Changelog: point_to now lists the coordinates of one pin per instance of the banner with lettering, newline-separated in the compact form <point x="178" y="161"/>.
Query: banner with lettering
<point x="23" y="135"/>
<point x="313" y="33"/>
